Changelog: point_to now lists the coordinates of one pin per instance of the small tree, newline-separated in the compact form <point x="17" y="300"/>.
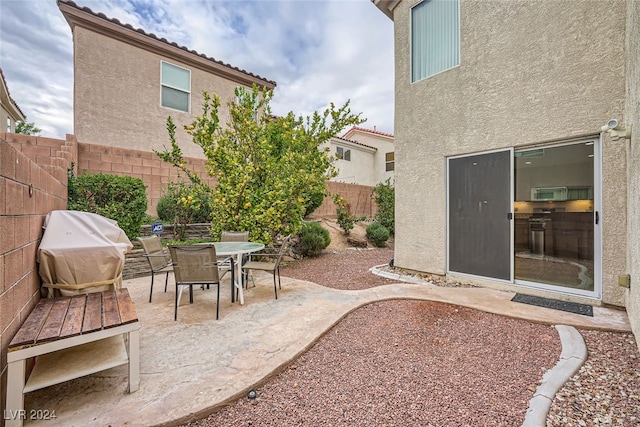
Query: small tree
<point x="27" y="128"/>
<point x="346" y="220"/>
<point x="269" y="170"/>
<point x="384" y="195"/>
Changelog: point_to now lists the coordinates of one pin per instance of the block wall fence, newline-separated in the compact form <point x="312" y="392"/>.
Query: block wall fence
<point x="33" y="182"/>
<point x="31" y="186"/>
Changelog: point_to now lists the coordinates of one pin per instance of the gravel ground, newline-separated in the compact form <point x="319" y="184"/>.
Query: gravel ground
<point x="407" y="363"/>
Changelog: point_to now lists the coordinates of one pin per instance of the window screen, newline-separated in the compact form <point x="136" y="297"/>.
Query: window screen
<point x="435" y="37"/>
<point x="389" y="161"/>
<point x="176" y="87"/>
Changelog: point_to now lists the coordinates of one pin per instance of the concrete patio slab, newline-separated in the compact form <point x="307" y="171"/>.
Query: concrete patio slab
<point x="190" y="367"/>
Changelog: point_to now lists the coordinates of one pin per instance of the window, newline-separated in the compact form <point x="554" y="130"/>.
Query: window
<point x="176" y="87"/>
<point x="343" y="153"/>
<point x="435" y="38"/>
<point x="389" y="161"/>
<point x="8" y="124"/>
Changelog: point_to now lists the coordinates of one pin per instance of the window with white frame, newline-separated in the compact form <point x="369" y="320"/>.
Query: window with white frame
<point x="389" y="161"/>
<point x="8" y="124"/>
<point x="435" y="37"/>
<point x="343" y="153"/>
<point x="176" y="87"/>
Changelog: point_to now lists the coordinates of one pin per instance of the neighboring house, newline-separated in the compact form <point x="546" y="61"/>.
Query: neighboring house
<point x="127" y="82"/>
<point x="364" y="156"/>
<point x="505" y="174"/>
<point x="10" y="113"/>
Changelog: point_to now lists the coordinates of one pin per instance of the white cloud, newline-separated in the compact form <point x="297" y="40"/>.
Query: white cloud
<point x="317" y="51"/>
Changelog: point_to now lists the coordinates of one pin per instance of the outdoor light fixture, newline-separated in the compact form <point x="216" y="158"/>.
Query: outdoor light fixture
<point x="616" y="131"/>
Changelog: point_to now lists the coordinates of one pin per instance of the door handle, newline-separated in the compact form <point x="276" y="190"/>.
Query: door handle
<point x="510" y="216"/>
<point x="597" y="217"/>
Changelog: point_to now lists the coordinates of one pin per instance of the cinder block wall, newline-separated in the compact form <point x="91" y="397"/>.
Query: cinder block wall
<point x="28" y="191"/>
<point x="145" y="165"/>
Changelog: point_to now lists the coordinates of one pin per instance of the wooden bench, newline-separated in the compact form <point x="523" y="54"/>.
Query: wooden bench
<point x="71" y="337"/>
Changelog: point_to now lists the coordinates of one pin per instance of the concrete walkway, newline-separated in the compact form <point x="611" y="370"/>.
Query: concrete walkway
<point x="192" y="366"/>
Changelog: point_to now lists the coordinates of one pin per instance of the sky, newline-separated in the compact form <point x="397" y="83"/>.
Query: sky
<point x="317" y="51"/>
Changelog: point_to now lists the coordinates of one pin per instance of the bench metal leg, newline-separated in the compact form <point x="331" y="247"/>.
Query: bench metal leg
<point x="14" y="413"/>
<point x="133" y="344"/>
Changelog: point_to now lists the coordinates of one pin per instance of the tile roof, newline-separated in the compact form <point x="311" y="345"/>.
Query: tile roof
<point x="153" y="36"/>
<point x="374" y="131"/>
<point x="355" y="142"/>
<point x="6" y="86"/>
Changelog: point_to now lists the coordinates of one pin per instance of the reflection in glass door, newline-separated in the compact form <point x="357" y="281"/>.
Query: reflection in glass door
<point x="554" y="216"/>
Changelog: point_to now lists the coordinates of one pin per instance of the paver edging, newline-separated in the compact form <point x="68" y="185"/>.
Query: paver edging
<point x="572" y="357"/>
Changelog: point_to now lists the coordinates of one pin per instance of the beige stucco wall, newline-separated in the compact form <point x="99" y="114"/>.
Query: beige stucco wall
<point x="383" y="145"/>
<point x="632" y="117"/>
<point x="530" y="72"/>
<point x="117" y="95"/>
<point x="360" y="169"/>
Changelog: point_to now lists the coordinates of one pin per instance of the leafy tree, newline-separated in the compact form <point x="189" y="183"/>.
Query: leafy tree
<point x="384" y="195"/>
<point x="346" y="220"/>
<point x="270" y="171"/>
<point x="27" y="128"/>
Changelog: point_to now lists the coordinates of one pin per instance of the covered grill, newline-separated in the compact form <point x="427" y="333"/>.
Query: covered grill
<point x="81" y="252"/>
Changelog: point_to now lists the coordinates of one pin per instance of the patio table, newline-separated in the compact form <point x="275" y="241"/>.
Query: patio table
<point x="237" y="249"/>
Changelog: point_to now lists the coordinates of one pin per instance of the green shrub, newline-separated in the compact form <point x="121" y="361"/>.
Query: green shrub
<point x="384" y="195"/>
<point x="170" y="206"/>
<point x="378" y="234"/>
<point x="313" y="202"/>
<point x="313" y="239"/>
<point x="121" y="198"/>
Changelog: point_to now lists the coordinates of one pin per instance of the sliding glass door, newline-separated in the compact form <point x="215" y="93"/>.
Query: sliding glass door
<point x="528" y="216"/>
<point x="555" y="216"/>
<point x="479" y="205"/>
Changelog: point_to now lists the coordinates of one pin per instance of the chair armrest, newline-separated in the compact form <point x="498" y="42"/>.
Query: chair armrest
<point x="227" y="260"/>
<point x="163" y="255"/>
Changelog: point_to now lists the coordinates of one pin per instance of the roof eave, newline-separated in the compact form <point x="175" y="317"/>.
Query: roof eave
<point x="77" y="17"/>
<point x="386" y="6"/>
<point x="10" y="105"/>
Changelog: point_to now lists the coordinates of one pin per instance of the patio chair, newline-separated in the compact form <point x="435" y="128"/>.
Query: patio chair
<point x="268" y="260"/>
<point x="159" y="259"/>
<point x="237" y="236"/>
<point x="234" y="236"/>
<point x="198" y="265"/>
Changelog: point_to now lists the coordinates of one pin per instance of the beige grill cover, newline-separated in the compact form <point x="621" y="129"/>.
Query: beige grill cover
<point x="81" y="248"/>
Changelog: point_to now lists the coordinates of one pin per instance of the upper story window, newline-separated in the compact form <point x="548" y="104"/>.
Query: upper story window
<point x="8" y="124"/>
<point x="389" y="161"/>
<point x="343" y="153"/>
<point x="435" y="37"/>
<point x="176" y="87"/>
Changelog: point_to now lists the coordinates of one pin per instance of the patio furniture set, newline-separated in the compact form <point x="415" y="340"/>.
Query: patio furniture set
<point x="88" y="323"/>
<point x="205" y="264"/>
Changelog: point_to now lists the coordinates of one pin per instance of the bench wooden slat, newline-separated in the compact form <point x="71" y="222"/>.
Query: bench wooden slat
<point x="72" y="325"/>
<point x="110" y="309"/>
<point x="30" y="329"/>
<point x="93" y="313"/>
<point x="125" y="306"/>
<point x="53" y="325"/>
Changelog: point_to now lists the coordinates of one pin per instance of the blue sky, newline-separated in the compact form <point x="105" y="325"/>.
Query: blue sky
<point x="317" y="51"/>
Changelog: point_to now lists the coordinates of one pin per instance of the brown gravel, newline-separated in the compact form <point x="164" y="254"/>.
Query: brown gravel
<point x="606" y="389"/>
<point x="407" y="363"/>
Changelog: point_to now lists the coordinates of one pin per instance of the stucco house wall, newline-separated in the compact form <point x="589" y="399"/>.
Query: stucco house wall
<point x="383" y="142"/>
<point x="530" y="72"/>
<point x="360" y="169"/>
<point x="117" y="83"/>
<point x="632" y="116"/>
